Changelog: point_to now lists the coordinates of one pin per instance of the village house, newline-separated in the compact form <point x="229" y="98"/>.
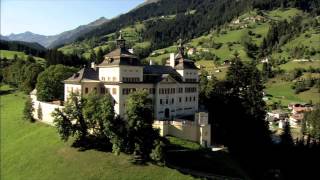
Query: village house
<point x="277" y="115"/>
<point x="173" y="88"/>
<point x="297" y="112"/>
<point x="191" y="51"/>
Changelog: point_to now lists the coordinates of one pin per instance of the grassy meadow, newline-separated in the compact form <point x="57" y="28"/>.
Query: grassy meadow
<point x="10" y="55"/>
<point x="34" y="151"/>
<point x="282" y="91"/>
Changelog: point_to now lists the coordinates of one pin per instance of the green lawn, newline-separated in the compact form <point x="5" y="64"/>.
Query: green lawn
<point x="292" y="65"/>
<point x="34" y="151"/>
<point x="282" y="91"/>
<point x="282" y="14"/>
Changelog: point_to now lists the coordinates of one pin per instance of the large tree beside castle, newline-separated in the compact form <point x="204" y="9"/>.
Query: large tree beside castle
<point x="49" y="83"/>
<point x="93" y="116"/>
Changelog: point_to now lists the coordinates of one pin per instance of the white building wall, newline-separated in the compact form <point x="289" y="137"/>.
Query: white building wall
<point x="114" y="91"/>
<point x="189" y="74"/>
<point x="187" y="106"/>
<point x="132" y="72"/>
<point x="109" y="74"/>
<point x="69" y="88"/>
<point x="123" y="97"/>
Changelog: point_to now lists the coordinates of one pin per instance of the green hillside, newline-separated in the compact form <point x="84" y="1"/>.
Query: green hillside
<point x="223" y="42"/>
<point x="218" y="45"/>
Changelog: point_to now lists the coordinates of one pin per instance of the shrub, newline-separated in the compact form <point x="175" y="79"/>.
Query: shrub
<point x="157" y="153"/>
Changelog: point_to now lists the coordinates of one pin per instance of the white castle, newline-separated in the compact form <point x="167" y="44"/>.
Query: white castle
<point x="173" y="88"/>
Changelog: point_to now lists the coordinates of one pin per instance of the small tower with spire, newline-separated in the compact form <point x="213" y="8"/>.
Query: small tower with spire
<point x="181" y="48"/>
<point x="121" y="42"/>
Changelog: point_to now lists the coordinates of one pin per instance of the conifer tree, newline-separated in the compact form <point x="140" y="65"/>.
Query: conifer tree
<point x="286" y="137"/>
<point x="39" y="112"/>
<point x="28" y="110"/>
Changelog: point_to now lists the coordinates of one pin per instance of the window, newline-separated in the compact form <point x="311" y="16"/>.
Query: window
<point x="172" y="101"/>
<point x="126" y="91"/>
<point x="186" y="99"/>
<point x="194" y="98"/>
<point x="102" y="90"/>
<point x="152" y="90"/>
<point x="167" y="102"/>
<point x="179" y="99"/>
<point x="130" y="79"/>
<point x="95" y="89"/>
<point x="160" y="101"/>
<point x="113" y="78"/>
<point x="86" y="90"/>
<point x="190" y="99"/>
<point x="114" y="91"/>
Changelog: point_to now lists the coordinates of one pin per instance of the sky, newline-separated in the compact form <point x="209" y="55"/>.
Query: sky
<point x="50" y="17"/>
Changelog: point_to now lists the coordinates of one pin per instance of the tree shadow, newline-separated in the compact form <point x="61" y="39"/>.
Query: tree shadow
<point x="6" y="92"/>
<point x="203" y="163"/>
<point x="93" y="143"/>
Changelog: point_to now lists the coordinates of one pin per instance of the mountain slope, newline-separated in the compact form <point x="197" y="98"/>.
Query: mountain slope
<point x="72" y="35"/>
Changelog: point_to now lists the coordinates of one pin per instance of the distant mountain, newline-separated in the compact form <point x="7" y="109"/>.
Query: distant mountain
<point x="55" y="40"/>
<point x="4" y="38"/>
<point x="31" y="37"/>
<point x="70" y="36"/>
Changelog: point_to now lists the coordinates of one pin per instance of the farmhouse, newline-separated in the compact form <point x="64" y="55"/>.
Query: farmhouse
<point x="173" y="88"/>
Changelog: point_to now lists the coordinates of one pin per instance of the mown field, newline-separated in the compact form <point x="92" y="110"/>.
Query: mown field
<point x="34" y="151"/>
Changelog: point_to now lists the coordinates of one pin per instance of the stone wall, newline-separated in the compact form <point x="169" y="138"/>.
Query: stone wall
<point x="46" y="108"/>
<point x="197" y="131"/>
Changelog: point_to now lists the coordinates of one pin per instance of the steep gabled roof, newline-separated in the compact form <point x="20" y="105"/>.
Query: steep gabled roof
<point x="120" y="56"/>
<point x="85" y="74"/>
<point x="157" y="73"/>
<point x="185" y="64"/>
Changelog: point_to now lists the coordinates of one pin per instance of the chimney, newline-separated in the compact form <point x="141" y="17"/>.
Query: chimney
<point x="93" y="65"/>
<point x="172" y="61"/>
<point x="151" y="62"/>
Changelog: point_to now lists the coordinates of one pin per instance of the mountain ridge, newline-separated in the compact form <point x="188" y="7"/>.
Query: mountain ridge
<point x="51" y="41"/>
